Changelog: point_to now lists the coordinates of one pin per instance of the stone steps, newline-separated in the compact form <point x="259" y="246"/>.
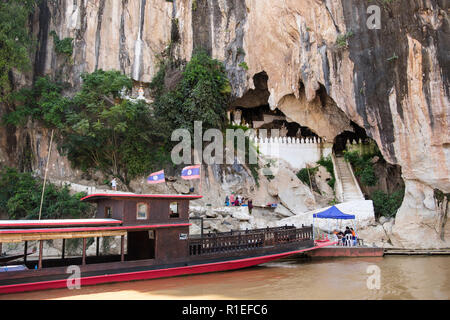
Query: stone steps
<point x="350" y="189"/>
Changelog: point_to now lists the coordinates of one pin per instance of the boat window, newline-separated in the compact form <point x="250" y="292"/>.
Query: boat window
<point x="108" y="212"/>
<point x="174" y="210"/>
<point x="142" y="211"/>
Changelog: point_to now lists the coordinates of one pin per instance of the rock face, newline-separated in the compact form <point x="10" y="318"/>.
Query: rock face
<point x="324" y="67"/>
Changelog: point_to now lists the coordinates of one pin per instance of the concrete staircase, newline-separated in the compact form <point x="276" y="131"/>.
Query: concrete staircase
<point x="349" y="189"/>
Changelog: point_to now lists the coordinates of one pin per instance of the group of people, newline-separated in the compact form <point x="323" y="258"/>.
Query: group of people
<point x="237" y="201"/>
<point x="342" y="236"/>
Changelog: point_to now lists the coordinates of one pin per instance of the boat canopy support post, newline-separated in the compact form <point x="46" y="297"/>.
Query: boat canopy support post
<point x="25" y="250"/>
<point x="41" y="247"/>
<point x="122" y="246"/>
<point x="83" y="260"/>
<point x="63" y="249"/>
<point x="97" y="248"/>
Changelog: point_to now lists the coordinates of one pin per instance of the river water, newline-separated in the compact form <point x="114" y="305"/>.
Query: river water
<point x="401" y="277"/>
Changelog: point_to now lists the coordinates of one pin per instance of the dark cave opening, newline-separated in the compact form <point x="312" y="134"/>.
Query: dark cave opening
<point x="359" y="134"/>
<point x="253" y="110"/>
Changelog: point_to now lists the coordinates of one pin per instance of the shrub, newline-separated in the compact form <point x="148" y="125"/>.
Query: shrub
<point x="20" y="196"/>
<point x="243" y="65"/>
<point x="15" y="40"/>
<point x="362" y="166"/>
<point x="305" y="177"/>
<point x="328" y="164"/>
<point x="387" y="205"/>
<point x="63" y="46"/>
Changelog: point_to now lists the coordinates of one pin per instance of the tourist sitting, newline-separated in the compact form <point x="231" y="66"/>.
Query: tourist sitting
<point x="232" y="199"/>
<point x="354" y="236"/>
<point x="227" y="201"/>
<point x="340" y="236"/>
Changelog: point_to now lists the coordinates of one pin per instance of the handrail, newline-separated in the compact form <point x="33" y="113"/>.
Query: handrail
<point x="355" y="181"/>
<point x="247" y="240"/>
<point x="339" y="189"/>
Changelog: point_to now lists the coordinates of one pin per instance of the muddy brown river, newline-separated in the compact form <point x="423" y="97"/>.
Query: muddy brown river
<point x="391" y="277"/>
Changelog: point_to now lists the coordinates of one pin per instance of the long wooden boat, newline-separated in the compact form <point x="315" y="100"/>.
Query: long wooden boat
<point x="155" y="229"/>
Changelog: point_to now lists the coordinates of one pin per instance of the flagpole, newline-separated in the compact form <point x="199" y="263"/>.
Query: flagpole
<point x="45" y="175"/>
<point x="200" y="187"/>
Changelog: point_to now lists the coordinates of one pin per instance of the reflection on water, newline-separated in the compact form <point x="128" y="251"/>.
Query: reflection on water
<point x="344" y="278"/>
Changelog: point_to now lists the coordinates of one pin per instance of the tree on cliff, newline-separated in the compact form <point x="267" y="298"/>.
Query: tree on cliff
<point x="98" y="129"/>
<point x="15" y="41"/>
<point x="117" y="136"/>
<point x="201" y="95"/>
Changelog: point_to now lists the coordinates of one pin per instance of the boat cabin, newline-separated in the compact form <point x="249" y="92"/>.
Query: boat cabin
<point x="156" y="228"/>
<point x="157" y="225"/>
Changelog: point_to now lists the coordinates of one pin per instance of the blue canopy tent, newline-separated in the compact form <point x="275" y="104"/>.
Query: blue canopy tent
<point x="333" y="213"/>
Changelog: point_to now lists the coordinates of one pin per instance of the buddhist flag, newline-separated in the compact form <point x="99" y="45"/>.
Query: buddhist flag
<point x="191" y="172"/>
<point x="157" y="177"/>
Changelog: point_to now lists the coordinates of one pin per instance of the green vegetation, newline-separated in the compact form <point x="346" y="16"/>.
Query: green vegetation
<point x="99" y="130"/>
<point x="394" y="57"/>
<point x="305" y="174"/>
<point x="20" y="195"/>
<point x="387" y="205"/>
<point x="102" y="131"/>
<point x="328" y="164"/>
<point x="362" y="166"/>
<point x="201" y="95"/>
<point x="240" y="51"/>
<point x="342" y="39"/>
<point x="63" y="46"/>
<point x="15" y="40"/>
<point x="243" y="65"/>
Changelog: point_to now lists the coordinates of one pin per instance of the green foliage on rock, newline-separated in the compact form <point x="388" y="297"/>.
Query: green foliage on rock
<point x="63" y="46"/>
<point x="387" y="204"/>
<point x="363" y="167"/>
<point x="201" y="95"/>
<point x="328" y="164"/>
<point x="342" y="39"/>
<point x="15" y="40"/>
<point x="20" y="196"/>
<point x="98" y="129"/>
<point x="43" y="102"/>
<point x="305" y="174"/>
<point x="243" y="65"/>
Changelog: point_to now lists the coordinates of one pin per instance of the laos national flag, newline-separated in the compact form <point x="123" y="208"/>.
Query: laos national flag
<point x="190" y="173"/>
<point x="157" y="177"/>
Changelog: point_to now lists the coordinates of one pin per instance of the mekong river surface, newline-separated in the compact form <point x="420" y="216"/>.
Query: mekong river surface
<point x="401" y="277"/>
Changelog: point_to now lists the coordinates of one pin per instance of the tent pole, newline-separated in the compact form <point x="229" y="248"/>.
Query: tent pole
<point x="314" y="237"/>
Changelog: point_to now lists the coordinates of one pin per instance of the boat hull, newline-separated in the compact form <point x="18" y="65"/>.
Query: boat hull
<point x="156" y="273"/>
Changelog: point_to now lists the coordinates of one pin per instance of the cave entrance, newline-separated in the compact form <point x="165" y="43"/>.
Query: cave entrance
<point x="253" y="111"/>
<point x="343" y="139"/>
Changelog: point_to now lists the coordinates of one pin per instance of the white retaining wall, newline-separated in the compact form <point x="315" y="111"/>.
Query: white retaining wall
<point x="297" y="152"/>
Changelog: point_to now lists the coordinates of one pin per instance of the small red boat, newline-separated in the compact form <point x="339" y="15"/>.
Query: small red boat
<point x="155" y="243"/>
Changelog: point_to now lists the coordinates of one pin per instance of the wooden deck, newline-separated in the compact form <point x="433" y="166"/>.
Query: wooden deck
<point x="416" y="252"/>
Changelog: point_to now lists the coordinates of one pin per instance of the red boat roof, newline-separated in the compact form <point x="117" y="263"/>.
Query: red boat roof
<point x="92" y="229"/>
<point x="57" y="223"/>
<point x="99" y="196"/>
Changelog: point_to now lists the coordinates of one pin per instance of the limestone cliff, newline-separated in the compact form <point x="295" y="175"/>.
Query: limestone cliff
<point x="393" y="81"/>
